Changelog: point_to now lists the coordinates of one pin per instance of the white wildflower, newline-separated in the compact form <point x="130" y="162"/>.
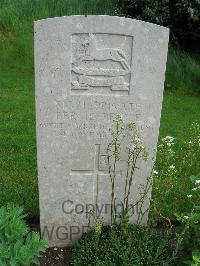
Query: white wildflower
<point x="189" y="196"/>
<point x="160" y="146"/>
<point x="138" y="140"/>
<point x="172" y="167"/>
<point x="186" y="217"/>
<point x="168" y="139"/>
<point x="117" y="118"/>
<point x="155" y="172"/>
<point x="196" y="188"/>
<point x="197" y="181"/>
<point x="130" y="123"/>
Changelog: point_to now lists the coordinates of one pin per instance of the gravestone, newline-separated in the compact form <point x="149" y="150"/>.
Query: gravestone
<point x="88" y="69"/>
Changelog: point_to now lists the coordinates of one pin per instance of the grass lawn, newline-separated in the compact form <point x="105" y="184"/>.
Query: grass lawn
<point x="18" y="174"/>
<point x="18" y="148"/>
<point x="178" y="113"/>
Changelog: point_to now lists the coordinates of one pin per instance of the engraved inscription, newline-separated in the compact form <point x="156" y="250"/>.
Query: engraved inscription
<point x="80" y="118"/>
<point x="101" y="63"/>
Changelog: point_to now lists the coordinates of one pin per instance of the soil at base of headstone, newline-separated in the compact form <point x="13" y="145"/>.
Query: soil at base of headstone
<point x="53" y="256"/>
<point x="56" y="257"/>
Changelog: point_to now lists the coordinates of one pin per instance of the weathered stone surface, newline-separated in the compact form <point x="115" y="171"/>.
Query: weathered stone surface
<point x="88" y="69"/>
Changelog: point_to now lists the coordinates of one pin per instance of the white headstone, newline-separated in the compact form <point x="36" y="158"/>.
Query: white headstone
<point x="87" y="69"/>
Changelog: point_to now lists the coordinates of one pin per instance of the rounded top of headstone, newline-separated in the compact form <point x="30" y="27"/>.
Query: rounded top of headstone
<point x="124" y="21"/>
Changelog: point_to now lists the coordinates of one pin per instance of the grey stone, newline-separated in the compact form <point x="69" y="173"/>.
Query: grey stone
<point x="87" y="69"/>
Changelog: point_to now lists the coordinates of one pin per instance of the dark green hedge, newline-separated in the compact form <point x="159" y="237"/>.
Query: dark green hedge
<point x="134" y="245"/>
<point x="181" y="16"/>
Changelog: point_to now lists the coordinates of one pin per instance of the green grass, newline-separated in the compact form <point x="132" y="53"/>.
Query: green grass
<point x="17" y="140"/>
<point x="178" y="113"/>
<point x="183" y="72"/>
<point x="170" y="188"/>
<point x="16" y="24"/>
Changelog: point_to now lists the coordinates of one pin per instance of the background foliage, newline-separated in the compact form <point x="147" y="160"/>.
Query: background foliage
<point x="181" y="16"/>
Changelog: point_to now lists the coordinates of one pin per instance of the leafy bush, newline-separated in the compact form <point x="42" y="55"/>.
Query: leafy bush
<point x="182" y="16"/>
<point x="18" y="246"/>
<point x="195" y="261"/>
<point x="136" y="246"/>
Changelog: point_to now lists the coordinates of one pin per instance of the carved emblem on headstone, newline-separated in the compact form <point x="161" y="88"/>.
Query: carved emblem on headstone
<point x="99" y="65"/>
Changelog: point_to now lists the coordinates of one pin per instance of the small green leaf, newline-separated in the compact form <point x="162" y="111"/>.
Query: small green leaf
<point x="196" y="256"/>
